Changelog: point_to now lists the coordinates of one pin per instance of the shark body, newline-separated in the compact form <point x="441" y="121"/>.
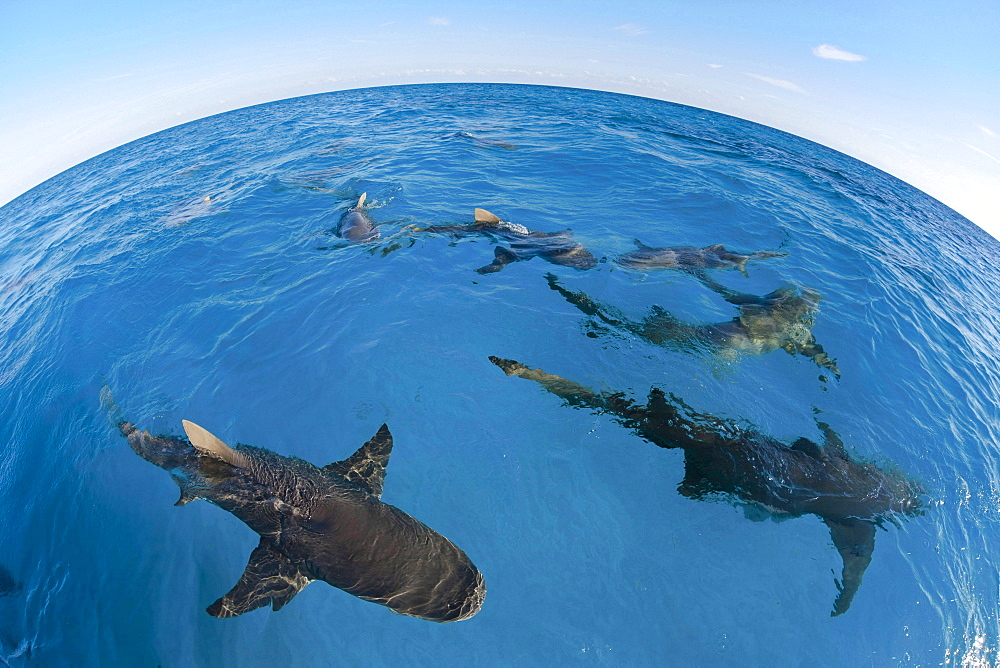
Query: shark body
<point x="318" y="524"/>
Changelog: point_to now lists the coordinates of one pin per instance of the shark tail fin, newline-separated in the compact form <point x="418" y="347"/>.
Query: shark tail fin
<point x="361" y="201"/>
<point x="210" y="444"/>
<point x="484" y="216"/>
<point x="270" y="578"/>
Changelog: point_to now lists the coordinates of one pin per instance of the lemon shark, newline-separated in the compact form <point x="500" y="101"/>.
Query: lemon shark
<point x="767" y="476"/>
<point x="316" y="523"/>
<point x="690" y="258"/>
<point x="555" y="247"/>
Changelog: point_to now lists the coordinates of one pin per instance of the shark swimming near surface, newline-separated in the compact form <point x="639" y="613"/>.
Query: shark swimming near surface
<point x="356" y="226"/>
<point x="555" y="247"/>
<point x="852" y="497"/>
<point x="782" y="319"/>
<point x="690" y="258"/>
<point x="316" y="523"/>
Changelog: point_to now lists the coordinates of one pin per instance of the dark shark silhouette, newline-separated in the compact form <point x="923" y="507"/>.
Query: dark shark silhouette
<point x="8" y="585"/>
<point x="782" y="319"/>
<point x="318" y="524"/>
<point x="721" y="456"/>
<point x="356" y="226"/>
<point x="690" y="258"/>
<point x="555" y="247"/>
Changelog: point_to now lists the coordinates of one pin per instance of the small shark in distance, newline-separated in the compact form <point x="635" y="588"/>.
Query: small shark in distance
<point x="723" y="457"/>
<point x="316" y="523"/>
<point x="555" y="247"/>
<point x="690" y="258"/>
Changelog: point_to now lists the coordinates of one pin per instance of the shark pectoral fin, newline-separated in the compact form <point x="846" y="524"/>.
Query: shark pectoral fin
<point x="366" y="467"/>
<point x="269" y="578"/>
<point x="187" y="496"/>
<point x="833" y="444"/>
<point x="855" y="541"/>
<point x="208" y="443"/>
<point x="501" y="258"/>
<point x="484" y="216"/>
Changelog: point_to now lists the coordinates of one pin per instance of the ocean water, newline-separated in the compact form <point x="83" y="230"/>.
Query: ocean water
<point x="197" y="274"/>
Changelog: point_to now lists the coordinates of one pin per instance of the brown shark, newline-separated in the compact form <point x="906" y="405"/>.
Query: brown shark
<point x="780" y="320"/>
<point x="555" y="247"/>
<point x="724" y="457"/>
<point x="315" y="523"/>
<point x="690" y="258"/>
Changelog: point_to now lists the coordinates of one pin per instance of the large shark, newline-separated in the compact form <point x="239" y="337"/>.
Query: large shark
<point x="555" y="247"/>
<point x="318" y="524"/>
<point x="723" y="457"/>
<point x="356" y="226"/>
<point x="690" y="258"/>
<point x="782" y="319"/>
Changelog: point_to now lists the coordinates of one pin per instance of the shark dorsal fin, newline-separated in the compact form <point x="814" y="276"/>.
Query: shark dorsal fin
<point x="484" y="216"/>
<point x="804" y="445"/>
<point x="361" y="201"/>
<point x="639" y="244"/>
<point x="834" y="445"/>
<point x="715" y="247"/>
<point x="208" y="443"/>
<point x="366" y="467"/>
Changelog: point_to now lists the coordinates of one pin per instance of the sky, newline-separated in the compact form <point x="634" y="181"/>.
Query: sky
<point x="911" y="87"/>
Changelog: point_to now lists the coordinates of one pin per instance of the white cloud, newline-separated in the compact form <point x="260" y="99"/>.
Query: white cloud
<point x="979" y="150"/>
<point x="631" y="29"/>
<point x="714" y="66"/>
<point x="780" y="83"/>
<point x="986" y="131"/>
<point x="831" y="52"/>
<point x="439" y="21"/>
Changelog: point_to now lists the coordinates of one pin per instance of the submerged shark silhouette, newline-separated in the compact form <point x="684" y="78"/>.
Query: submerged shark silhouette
<point x="690" y="258"/>
<point x="318" y="524"/>
<point x="721" y="456"/>
<point x="782" y="319"/>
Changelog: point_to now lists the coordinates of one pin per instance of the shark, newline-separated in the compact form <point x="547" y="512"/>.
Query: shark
<point x="691" y="258"/>
<point x="780" y="320"/>
<point x="356" y="226"/>
<point x="722" y="457"/>
<point x="315" y="523"/>
<point x="556" y="247"/>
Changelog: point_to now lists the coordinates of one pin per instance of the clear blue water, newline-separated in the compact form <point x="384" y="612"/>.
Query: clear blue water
<point x="226" y="312"/>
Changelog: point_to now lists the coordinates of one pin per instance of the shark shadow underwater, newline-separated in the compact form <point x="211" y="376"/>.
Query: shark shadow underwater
<point x="782" y="319"/>
<point x="318" y="524"/>
<point x="721" y="457"/>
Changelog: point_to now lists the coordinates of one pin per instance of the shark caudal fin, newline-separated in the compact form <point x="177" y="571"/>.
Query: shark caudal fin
<point x="270" y="578"/>
<point x="484" y="216"/>
<point x="366" y="467"/>
<point x="210" y="444"/>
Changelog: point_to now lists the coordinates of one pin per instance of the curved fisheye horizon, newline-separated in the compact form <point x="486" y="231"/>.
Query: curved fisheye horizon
<point x="910" y="90"/>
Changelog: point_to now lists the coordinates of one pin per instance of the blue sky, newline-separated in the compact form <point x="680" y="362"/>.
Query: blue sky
<point x="911" y="87"/>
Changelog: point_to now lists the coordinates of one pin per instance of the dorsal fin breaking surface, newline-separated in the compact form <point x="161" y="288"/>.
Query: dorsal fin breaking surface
<point x="366" y="467"/>
<point x="210" y="444"/>
<point x="484" y="216"/>
<point x="361" y="201"/>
